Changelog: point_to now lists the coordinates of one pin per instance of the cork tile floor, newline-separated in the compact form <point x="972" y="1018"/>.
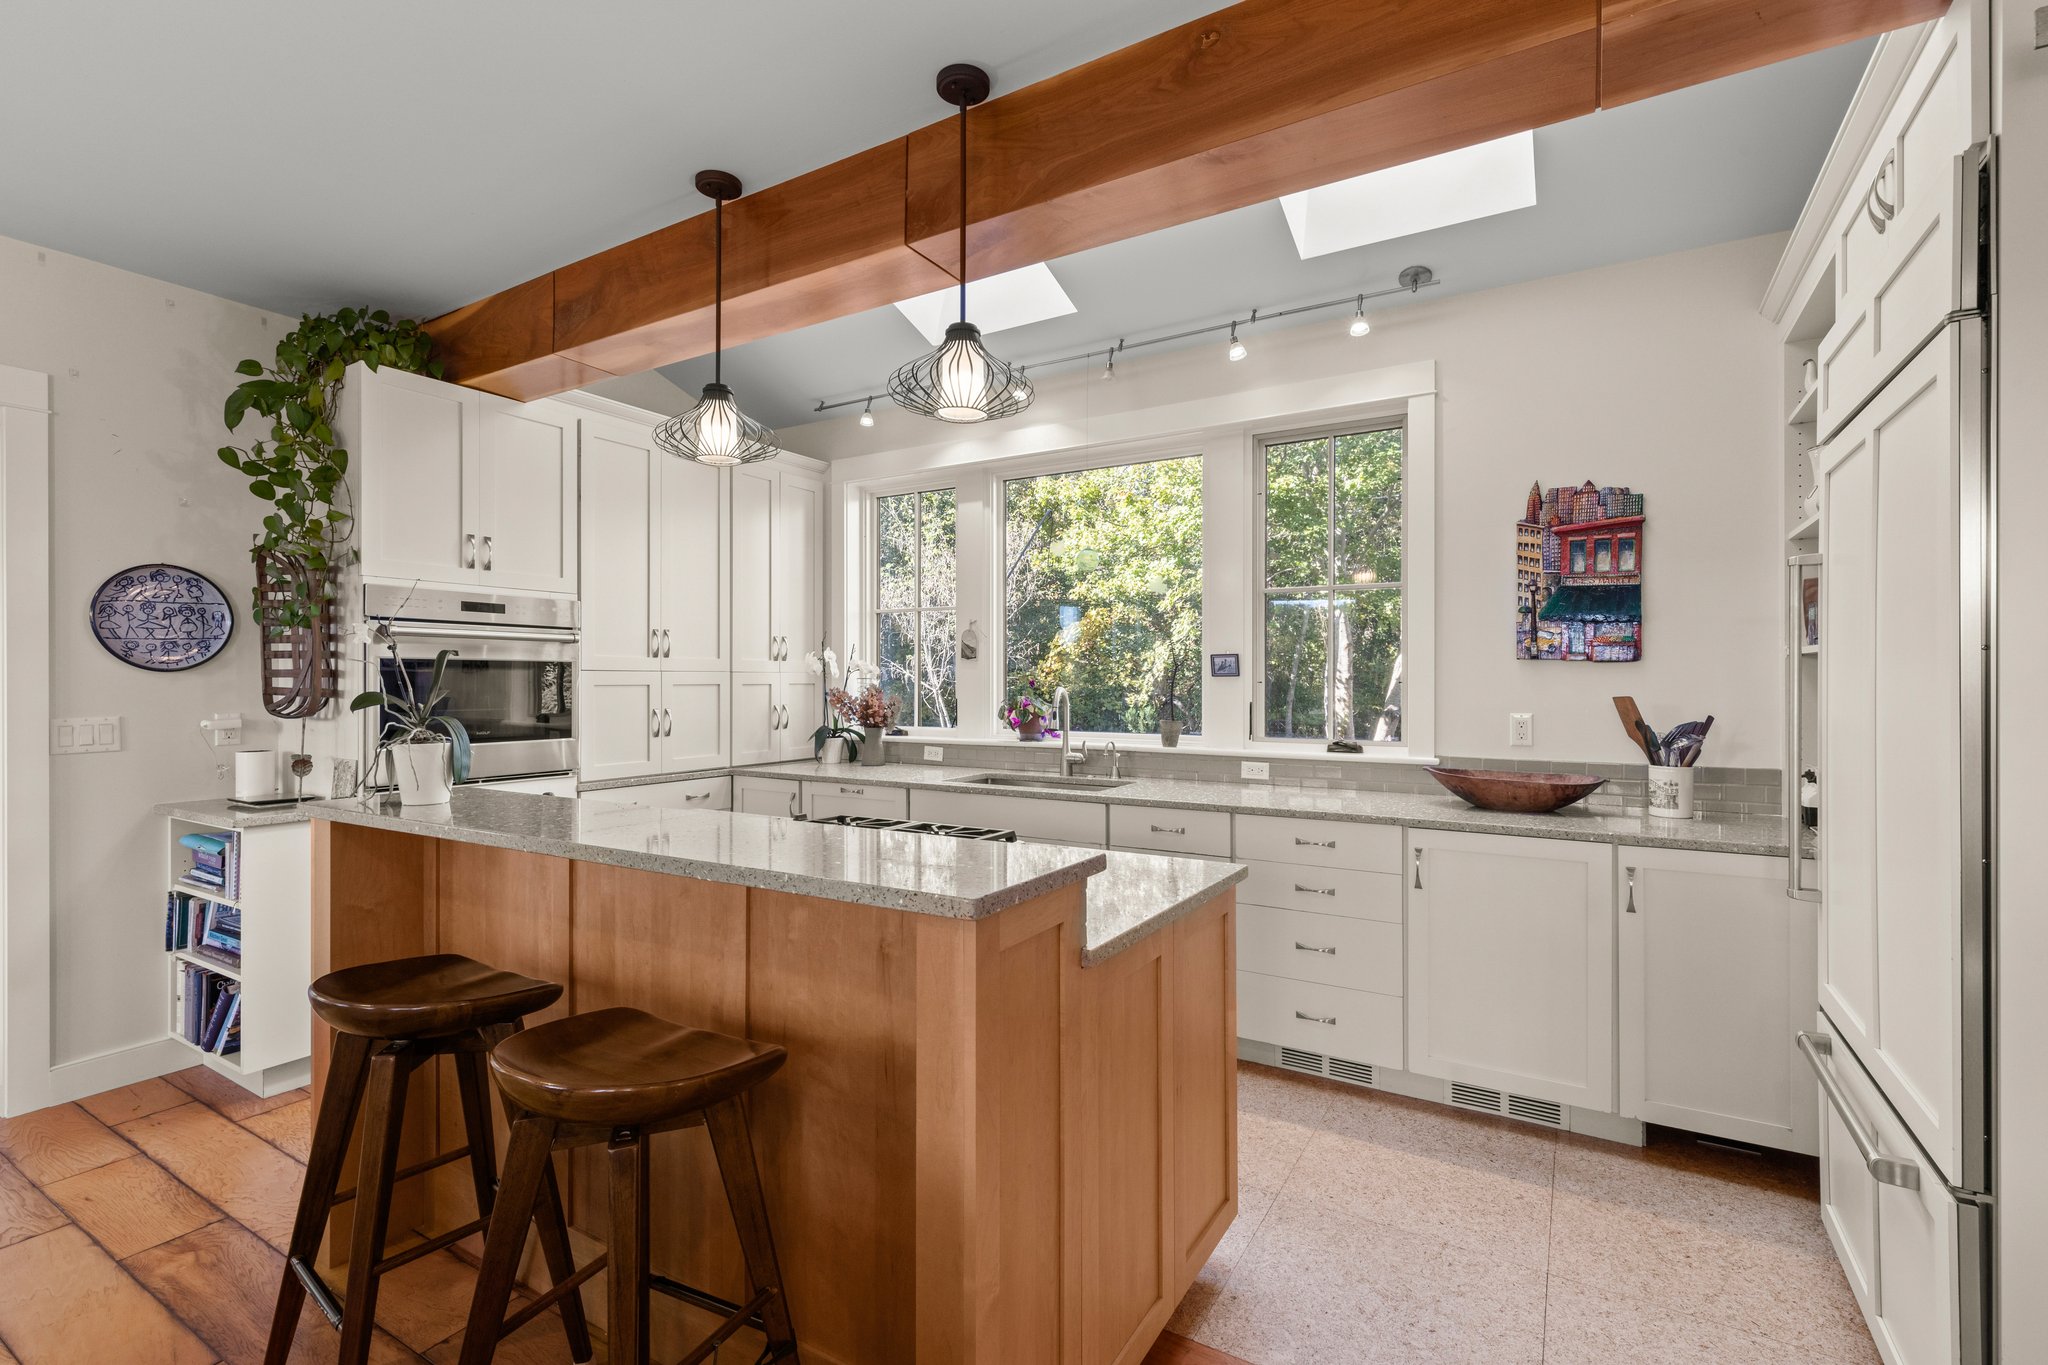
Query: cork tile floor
<point x="144" y="1225"/>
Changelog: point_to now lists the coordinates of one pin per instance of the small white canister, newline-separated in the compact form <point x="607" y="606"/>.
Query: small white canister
<point x="1671" y="793"/>
<point x="256" y="777"/>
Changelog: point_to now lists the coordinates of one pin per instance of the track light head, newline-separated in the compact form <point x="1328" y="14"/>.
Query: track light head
<point x="867" y="414"/>
<point x="1238" y="350"/>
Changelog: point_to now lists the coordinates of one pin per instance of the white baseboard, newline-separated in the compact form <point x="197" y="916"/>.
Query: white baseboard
<point x="112" y="1070"/>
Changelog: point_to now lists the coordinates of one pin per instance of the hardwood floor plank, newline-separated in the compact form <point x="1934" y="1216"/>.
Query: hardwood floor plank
<point x="56" y="1143"/>
<point x="1178" y="1350"/>
<point x="227" y="1098"/>
<point x="239" y="1172"/>
<point x="425" y="1303"/>
<point x="63" y="1300"/>
<point x="24" y="1213"/>
<point x="223" y="1281"/>
<point x="130" y="1206"/>
<point x="289" y="1129"/>
<point x="540" y="1342"/>
<point x="133" y="1101"/>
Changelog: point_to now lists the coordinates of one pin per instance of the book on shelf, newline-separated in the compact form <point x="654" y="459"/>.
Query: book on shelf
<point x="215" y="861"/>
<point x="208" y="1010"/>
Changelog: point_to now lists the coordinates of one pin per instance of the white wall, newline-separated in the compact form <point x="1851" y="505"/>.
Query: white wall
<point x="138" y="373"/>
<point x="1658" y="374"/>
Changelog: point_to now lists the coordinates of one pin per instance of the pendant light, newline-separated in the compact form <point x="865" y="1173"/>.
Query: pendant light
<point x="716" y="432"/>
<point x="961" y="381"/>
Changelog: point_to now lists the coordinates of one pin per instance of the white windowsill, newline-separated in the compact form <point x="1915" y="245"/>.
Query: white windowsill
<point x="1306" y="752"/>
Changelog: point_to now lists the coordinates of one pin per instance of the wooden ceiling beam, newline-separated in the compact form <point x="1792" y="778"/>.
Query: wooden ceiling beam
<point x="1255" y="101"/>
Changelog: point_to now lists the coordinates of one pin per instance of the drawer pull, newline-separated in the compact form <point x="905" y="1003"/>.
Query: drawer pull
<point x="853" y="791"/>
<point x="1315" y="890"/>
<point x="1162" y="829"/>
<point x="700" y="796"/>
<point x="1316" y="1018"/>
<point x="1315" y="843"/>
<point x="1885" y="1170"/>
<point x="1301" y="947"/>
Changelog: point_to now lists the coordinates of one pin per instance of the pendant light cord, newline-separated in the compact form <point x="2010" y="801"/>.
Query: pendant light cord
<point x="963" y="211"/>
<point x="718" y="291"/>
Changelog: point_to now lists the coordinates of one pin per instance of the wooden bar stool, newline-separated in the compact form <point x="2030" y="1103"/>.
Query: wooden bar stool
<point x="617" y="1077"/>
<point x="390" y="1019"/>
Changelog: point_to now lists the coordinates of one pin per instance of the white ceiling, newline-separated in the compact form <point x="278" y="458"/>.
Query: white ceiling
<point x="1714" y="163"/>
<point x="418" y="154"/>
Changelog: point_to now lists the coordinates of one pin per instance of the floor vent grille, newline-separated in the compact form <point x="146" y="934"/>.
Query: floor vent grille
<point x="1294" y="1059"/>
<point x="1549" y="1113"/>
<point x="1478" y="1097"/>
<point x="1316" y="1064"/>
<point x="1358" y="1073"/>
<point x="1546" y="1112"/>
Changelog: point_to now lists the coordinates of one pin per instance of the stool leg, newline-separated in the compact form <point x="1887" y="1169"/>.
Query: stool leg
<point x="626" y="1158"/>
<point x="347" y="1068"/>
<point x="727" y="1124"/>
<point x="526" y="1165"/>
<point x="383" y="1123"/>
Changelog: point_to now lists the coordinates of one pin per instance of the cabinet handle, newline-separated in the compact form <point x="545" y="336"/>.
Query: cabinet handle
<point x="1315" y="843"/>
<point x="654" y="644"/>
<point x="1162" y="829"/>
<point x="668" y="724"/>
<point x="487" y="554"/>
<point x="1885" y="1170"/>
<point x="469" y="551"/>
<point x="1631" y="889"/>
<point x="1301" y="947"/>
<point x="853" y="791"/>
<point x="1418" y="869"/>
<point x="1317" y="1018"/>
<point x="1870" y="210"/>
<point x="654" y="719"/>
<point x="1877" y="183"/>
<point x="1315" y="891"/>
<point x="664" y="642"/>
<point x="794" y="809"/>
<point x="700" y="796"/>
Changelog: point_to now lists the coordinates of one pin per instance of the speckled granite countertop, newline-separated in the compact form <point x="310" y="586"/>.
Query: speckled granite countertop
<point x="1130" y="895"/>
<point x="1764" y="835"/>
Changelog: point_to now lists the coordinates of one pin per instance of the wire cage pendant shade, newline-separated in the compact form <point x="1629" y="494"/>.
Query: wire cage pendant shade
<point x="716" y="432"/>
<point x="961" y="381"/>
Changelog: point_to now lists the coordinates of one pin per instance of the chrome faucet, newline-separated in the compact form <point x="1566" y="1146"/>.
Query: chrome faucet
<point x="1114" y="759"/>
<point x="1063" y="716"/>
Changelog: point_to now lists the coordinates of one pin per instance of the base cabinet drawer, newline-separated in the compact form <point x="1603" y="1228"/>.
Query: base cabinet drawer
<point x="1358" y="1026"/>
<point x="1047" y="821"/>
<point x="1323" y="890"/>
<point x="1158" y="829"/>
<point x="767" y="796"/>
<point x="704" y="793"/>
<point x="1318" y="843"/>
<point x="823" y="800"/>
<point x="1358" y="954"/>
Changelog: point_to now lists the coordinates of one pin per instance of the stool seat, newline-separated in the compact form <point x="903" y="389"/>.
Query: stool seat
<point x="626" y="1067"/>
<point x="426" y="997"/>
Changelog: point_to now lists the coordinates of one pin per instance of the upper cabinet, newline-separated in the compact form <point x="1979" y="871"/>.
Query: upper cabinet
<point x="778" y="555"/>
<point x="460" y="488"/>
<point x="654" y="553"/>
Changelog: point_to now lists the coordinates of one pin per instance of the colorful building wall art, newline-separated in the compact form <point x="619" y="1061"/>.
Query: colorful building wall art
<point x="1579" y="574"/>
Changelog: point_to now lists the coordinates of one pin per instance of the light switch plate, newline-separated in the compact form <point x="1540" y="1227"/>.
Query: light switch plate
<point x="85" y="735"/>
<point x="934" y="754"/>
<point x="1521" y="729"/>
<point x="1254" y="772"/>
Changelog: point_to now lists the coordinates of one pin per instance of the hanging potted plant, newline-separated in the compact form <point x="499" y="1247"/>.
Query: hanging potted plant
<point x="873" y="711"/>
<point x="428" y="750"/>
<point x="1029" y="714"/>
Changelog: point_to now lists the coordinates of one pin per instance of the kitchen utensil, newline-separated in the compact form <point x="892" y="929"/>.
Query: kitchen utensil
<point x="1692" y="730"/>
<point x="1639" y="734"/>
<point x="1523" y="793"/>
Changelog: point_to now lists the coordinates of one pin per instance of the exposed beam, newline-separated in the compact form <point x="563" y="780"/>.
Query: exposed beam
<point x="1258" y="100"/>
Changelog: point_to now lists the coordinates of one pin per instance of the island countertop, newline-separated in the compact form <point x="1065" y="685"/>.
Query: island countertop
<point x="1129" y="895"/>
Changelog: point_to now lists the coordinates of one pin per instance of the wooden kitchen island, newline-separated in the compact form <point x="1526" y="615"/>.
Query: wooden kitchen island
<point x="1007" y="1128"/>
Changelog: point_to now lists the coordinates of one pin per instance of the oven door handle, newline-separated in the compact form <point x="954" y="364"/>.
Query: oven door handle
<point x="436" y="631"/>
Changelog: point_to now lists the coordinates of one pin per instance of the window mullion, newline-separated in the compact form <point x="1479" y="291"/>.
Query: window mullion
<point x="1330" y="597"/>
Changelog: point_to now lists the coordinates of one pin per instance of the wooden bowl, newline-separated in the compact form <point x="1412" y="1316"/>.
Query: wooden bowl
<point x="1522" y="793"/>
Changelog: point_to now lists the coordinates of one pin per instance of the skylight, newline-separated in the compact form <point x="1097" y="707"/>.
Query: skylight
<point x="1011" y="299"/>
<point x="1455" y="187"/>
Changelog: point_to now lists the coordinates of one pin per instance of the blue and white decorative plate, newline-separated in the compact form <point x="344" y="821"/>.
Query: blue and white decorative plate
<point x="161" y="617"/>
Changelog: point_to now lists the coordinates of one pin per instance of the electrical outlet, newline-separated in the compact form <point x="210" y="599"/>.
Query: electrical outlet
<point x="223" y="730"/>
<point x="1521" y="729"/>
<point x="934" y="754"/>
<point x="85" y="735"/>
<point x="1255" y="772"/>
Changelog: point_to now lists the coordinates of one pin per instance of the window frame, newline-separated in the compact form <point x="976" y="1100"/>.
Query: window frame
<point x="870" y="598"/>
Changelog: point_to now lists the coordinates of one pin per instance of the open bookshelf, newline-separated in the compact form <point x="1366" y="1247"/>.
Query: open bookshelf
<point x="237" y="939"/>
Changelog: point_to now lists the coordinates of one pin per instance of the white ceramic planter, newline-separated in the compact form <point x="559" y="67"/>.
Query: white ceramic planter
<point x="1671" y="793"/>
<point x="423" y="772"/>
<point x="832" y="751"/>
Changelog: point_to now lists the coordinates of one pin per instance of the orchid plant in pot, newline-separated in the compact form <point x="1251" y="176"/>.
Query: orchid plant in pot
<point x="835" y="740"/>
<point x="874" y="711"/>
<point x="428" y="750"/>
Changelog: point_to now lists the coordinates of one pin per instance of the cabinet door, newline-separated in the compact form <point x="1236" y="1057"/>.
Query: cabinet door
<point x="1717" y="979"/>
<point x="756" y="718"/>
<point x="695" y="581"/>
<point x="755" y="642"/>
<point x="619" y="724"/>
<point x="695" y="722"/>
<point x="415" y="452"/>
<point x="822" y="799"/>
<point x="622" y="544"/>
<point x="1891" y="835"/>
<point x="803" y="696"/>
<point x="799" y="566"/>
<point x="1511" y="964"/>
<point x="766" y="796"/>
<point x="526" y="481"/>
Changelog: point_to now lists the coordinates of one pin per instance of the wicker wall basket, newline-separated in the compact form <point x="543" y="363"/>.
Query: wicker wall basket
<point x="300" y="664"/>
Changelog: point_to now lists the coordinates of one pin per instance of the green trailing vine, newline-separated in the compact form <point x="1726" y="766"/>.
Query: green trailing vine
<point x="299" y="469"/>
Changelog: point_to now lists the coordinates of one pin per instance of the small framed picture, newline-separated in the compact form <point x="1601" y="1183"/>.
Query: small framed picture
<point x="1223" y="666"/>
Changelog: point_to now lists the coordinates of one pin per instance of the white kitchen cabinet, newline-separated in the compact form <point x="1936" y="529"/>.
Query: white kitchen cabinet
<point x="1511" y="964"/>
<point x="1353" y="1026"/>
<point x="622" y="544"/>
<point x="1337" y="950"/>
<point x="695" y="545"/>
<point x="773" y="716"/>
<point x="564" y="785"/>
<point x="618" y="723"/>
<point x="695" y="721"/>
<point x="1322" y="890"/>
<point x="1318" y="843"/>
<point x="1043" y="820"/>
<point x="778" y="540"/>
<point x="1162" y="829"/>
<point x="461" y="488"/>
<point x="767" y="795"/>
<point x="701" y="793"/>
<point x="1716" y="981"/>
<point x="822" y="799"/>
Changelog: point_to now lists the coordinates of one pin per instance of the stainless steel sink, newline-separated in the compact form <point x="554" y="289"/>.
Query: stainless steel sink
<point x="1048" y="781"/>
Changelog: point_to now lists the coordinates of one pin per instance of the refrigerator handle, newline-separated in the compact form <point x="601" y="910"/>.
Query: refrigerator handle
<point x="1885" y="1170"/>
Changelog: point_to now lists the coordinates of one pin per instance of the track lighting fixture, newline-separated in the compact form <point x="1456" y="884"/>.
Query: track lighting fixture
<point x="716" y="432"/>
<point x="1359" y="326"/>
<point x="1238" y="350"/>
<point x="867" y="414"/>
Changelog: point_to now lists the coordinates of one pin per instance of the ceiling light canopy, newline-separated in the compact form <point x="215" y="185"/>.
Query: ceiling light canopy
<point x="961" y="381"/>
<point x="716" y="432"/>
<point x="1437" y="191"/>
<point x="1014" y="298"/>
